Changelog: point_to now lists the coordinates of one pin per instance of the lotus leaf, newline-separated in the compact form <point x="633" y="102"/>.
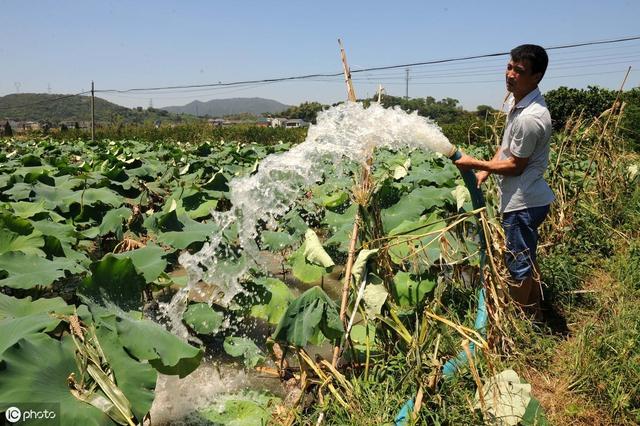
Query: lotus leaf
<point x="137" y="380"/>
<point x="117" y="280"/>
<point x="114" y="221"/>
<point x="203" y="319"/>
<point x="27" y="244"/>
<point x="26" y="271"/>
<point x="36" y="368"/>
<point x="311" y="312"/>
<point x="147" y="340"/>
<point x="279" y="298"/>
<point x="249" y="409"/>
<point x="409" y="291"/>
<point x="243" y="347"/>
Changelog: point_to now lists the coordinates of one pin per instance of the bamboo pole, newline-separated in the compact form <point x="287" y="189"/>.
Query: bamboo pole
<point x="347" y="73"/>
<point x="356" y="222"/>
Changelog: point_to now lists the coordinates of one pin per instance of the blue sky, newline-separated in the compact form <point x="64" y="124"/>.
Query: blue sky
<point x="60" y="46"/>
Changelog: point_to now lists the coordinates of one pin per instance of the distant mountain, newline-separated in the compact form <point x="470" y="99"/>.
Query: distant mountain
<point x="57" y="108"/>
<point x="222" y="107"/>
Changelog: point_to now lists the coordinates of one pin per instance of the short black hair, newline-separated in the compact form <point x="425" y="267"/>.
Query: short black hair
<point x="535" y="54"/>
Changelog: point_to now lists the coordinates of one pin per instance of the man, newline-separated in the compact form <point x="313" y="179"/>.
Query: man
<point x="520" y="162"/>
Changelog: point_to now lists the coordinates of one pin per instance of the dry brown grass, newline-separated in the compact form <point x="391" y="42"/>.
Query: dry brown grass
<point x="554" y="387"/>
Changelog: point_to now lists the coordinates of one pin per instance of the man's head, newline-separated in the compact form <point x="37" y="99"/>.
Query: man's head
<point x="525" y="69"/>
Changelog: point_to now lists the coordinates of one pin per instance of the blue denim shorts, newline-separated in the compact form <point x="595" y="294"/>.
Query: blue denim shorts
<point x="521" y="233"/>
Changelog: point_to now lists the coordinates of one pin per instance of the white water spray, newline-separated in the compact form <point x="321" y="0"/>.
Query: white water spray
<point x="348" y="131"/>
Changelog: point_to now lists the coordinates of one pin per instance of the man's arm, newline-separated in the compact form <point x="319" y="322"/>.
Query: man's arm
<point x="483" y="175"/>
<point x="510" y="166"/>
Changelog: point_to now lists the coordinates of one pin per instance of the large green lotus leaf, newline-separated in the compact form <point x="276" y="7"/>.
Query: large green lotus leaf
<point x="64" y="232"/>
<point x="335" y="199"/>
<point x="147" y="340"/>
<point x="248" y="409"/>
<point x="11" y="307"/>
<point x="278" y="300"/>
<point x="53" y="196"/>
<point x="304" y="271"/>
<point x="25" y="209"/>
<point x="26" y="271"/>
<point x="137" y="380"/>
<point x="36" y="369"/>
<point x="91" y="196"/>
<point x="27" y="244"/>
<point x="313" y="311"/>
<point x="191" y="232"/>
<point x="411" y="206"/>
<point x="340" y="227"/>
<point x="217" y="182"/>
<point x="310" y="262"/>
<point x="243" y="347"/>
<point x="429" y="175"/>
<point x="409" y="291"/>
<point x="14" y="223"/>
<point x="32" y="174"/>
<point x="409" y="247"/>
<point x="163" y="222"/>
<point x="203" y="319"/>
<point x="19" y="191"/>
<point x="114" y="221"/>
<point x="5" y="178"/>
<point x="202" y="210"/>
<point x="117" y="280"/>
<point x="22" y="317"/>
<point x="149" y="261"/>
<point x="294" y="224"/>
<point x="276" y="240"/>
<point x="360" y="334"/>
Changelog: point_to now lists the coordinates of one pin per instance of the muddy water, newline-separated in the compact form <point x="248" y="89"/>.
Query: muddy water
<point x="178" y="401"/>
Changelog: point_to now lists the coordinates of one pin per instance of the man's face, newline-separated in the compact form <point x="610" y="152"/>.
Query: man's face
<point x="520" y="79"/>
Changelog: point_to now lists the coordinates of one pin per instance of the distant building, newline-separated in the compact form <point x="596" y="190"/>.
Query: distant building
<point x="295" y="123"/>
<point x="278" y="122"/>
<point x="216" y="121"/>
<point x="263" y="122"/>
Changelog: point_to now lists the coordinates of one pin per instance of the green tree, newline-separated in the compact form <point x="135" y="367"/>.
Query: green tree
<point x="307" y="111"/>
<point x="564" y="102"/>
<point x="485" y="111"/>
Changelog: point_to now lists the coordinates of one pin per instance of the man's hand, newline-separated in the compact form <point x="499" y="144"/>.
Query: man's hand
<point x="482" y="176"/>
<point x="465" y="162"/>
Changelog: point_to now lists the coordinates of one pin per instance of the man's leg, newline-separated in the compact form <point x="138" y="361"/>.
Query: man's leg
<point x="521" y="239"/>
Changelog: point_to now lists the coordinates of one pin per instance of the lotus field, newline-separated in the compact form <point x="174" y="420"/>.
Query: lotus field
<point x="90" y="240"/>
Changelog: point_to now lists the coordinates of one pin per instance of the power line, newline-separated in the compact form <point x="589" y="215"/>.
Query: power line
<point x="318" y="76"/>
<point x="337" y="74"/>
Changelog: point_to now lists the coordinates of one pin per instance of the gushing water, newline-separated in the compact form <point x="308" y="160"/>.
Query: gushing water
<point x="345" y="132"/>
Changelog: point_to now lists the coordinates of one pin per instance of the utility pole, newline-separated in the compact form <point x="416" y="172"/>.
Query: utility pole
<point x="93" y="114"/>
<point x="406" y="90"/>
<point x="49" y="88"/>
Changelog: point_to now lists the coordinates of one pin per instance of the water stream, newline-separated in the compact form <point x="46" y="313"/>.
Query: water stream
<point x="345" y="133"/>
